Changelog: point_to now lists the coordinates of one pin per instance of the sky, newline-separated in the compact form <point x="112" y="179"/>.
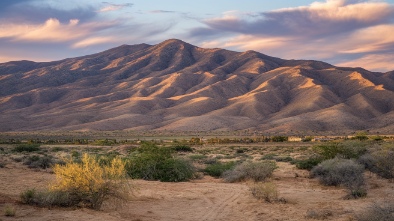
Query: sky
<point x="352" y="33"/>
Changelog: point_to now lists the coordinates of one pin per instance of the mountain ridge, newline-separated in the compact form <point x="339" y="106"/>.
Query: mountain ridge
<point x="177" y="86"/>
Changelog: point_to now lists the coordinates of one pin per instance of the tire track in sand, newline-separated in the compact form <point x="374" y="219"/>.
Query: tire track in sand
<point x="223" y="207"/>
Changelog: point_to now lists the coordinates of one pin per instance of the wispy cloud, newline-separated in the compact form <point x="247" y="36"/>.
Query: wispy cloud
<point x="162" y="11"/>
<point x="373" y="62"/>
<point x="114" y="7"/>
<point x="52" y="30"/>
<point x="328" y="30"/>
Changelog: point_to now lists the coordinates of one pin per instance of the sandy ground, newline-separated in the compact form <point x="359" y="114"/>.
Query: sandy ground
<point x="203" y="199"/>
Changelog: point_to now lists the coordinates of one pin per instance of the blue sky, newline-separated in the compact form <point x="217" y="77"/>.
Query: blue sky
<point x="355" y="33"/>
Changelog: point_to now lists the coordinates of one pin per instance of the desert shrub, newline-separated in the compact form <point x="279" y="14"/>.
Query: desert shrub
<point x="380" y="162"/>
<point x="307" y="164"/>
<point x="347" y="150"/>
<point x="151" y="162"/>
<point x="198" y="157"/>
<point x="265" y="191"/>
<point x="318" y="214"/>
<point x="328" y="150"/>
<point x="58" y="149"/>
<point x="105" y="142"/>
<point x="182" y="148"/>
<point x="49" y="198"/>
<point x="279" y="139"/>
<point x="2" y="164"/>
<point x="9" y="211"/>
<point x="270" y="156"/>
<point x="217" y="169"/>
<point x="26" y="148"/>
<point x="106" y="159"/>
<point x="368" y="161"/>
<point x="257" y="171"/>
<point x="75" y="154"/>
<point x="87" y="184"/>
<point x="352" y="149"/>
<point x="240" y="151"/>
<point x="176" y="170"/>
<point x="283" y="159"/>
<point x="341" y="172"/>
<point x="36" y="161"/>
<point x="28" y="196"/>
<point x="384" y="163"/>
<point x="378" y="212"/>
<point x="209" y="161"/>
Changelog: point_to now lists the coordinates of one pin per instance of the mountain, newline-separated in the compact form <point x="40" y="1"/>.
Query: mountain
<point x="177" y="86"/>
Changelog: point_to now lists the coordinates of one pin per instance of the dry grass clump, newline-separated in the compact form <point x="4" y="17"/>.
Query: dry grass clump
<point x="256" y="171"/>
<point x="265" y="191"/>
<point x="9" y="211"/>
<point x="86" y="184"/>
<point x="318" y="214"/>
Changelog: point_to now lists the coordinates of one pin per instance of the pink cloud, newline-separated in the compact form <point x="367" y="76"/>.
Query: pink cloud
<point x="377" y="62"/>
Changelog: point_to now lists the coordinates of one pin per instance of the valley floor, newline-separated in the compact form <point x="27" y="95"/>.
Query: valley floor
<point x="203" y="199"/>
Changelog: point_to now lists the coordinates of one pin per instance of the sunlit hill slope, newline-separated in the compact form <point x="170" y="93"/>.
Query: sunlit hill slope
<point x="177" y="86"/>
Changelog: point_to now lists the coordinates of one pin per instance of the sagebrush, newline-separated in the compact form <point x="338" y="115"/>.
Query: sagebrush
<point x="256" y="171"/>
<point x="342" y="172"/>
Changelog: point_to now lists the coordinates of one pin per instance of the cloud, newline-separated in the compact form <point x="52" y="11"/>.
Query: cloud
<point x="114" y="7"/>
<point x="52" y="30"/>
<point x="162" y="11"/>
<point x="336" y="31"/>
<point x="377" y="62"/>
<point x="317" y="19"/>
<point x="93" y="41"/>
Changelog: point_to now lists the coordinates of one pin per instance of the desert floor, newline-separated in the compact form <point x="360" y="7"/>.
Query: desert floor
<point x="202" y="199"/>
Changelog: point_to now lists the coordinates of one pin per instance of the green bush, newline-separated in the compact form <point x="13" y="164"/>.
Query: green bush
<point x="176" y="170"/>
<point x="26" y="148"/>
<point x="341" y="172"/>
<point x="150" y="162"/>
<point x="49" y="198"/>
<point x="58" y="149"/>
<point x="28" y="196"/>
<point x="270" y="156"/>
<point x="283" y="159"/>
<point x="217" y="169"/>
<point x="256" y="171"/>
<point x="352" y="149"/>
<point x="182" y="148"/>
<point x="328" y="150"/>
<point x="347" y="150"/>
<point x="307" y="164"/>
<point x="279" y="139"/>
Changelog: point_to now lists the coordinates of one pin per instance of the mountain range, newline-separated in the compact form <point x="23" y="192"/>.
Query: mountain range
<point x="176" y="86"/>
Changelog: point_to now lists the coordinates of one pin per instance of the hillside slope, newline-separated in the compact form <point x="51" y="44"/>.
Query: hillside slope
<point x="177" y="86"/>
